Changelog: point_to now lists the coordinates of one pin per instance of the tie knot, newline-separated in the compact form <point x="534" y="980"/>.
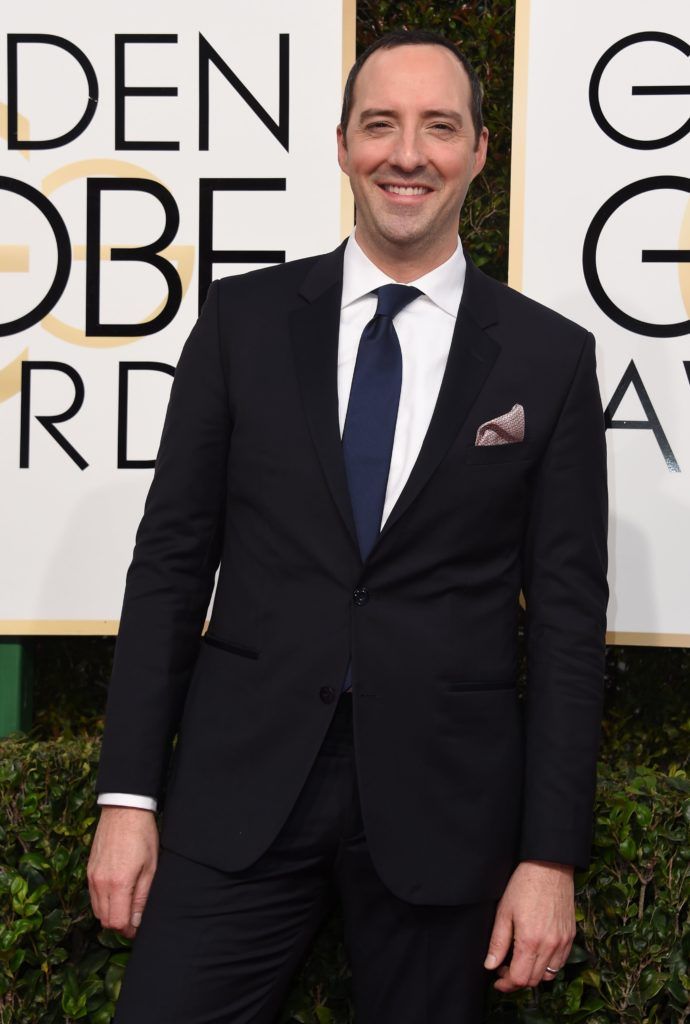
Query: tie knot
<point x="394" y="297"/>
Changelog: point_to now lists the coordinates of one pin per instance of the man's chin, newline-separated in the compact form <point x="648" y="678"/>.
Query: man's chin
<point x="404" y="233"/>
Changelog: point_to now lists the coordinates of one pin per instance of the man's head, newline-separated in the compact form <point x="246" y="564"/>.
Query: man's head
<point x="411" y="140"/>
<point x="415" y="37"/>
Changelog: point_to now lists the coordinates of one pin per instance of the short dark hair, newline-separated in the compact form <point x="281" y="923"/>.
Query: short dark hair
<point x="414" y="37"/>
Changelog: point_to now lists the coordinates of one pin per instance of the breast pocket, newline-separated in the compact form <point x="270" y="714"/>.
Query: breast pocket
<point x="491" y="454"/>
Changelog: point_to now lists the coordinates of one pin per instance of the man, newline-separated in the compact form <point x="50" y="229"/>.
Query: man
<point x="382" y="447"/>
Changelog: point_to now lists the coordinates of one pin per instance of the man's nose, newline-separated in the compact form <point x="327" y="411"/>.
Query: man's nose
<point x="408" y="152"/>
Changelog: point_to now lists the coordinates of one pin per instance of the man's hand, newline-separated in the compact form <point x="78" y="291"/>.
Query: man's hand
<point x="537" y="914"/>
<point x="121" y="867"/>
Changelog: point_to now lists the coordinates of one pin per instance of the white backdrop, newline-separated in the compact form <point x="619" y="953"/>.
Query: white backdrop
<point x="71" y="498"/>
<point x="600" y="230"/>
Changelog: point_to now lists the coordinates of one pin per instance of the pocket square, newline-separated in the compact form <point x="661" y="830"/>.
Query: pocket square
<point x="506" y="429"/>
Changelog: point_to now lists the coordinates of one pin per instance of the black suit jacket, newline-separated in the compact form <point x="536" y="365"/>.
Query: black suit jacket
<point x="457" y="779"/>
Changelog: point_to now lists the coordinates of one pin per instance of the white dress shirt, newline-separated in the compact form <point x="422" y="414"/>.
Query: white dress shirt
<point x="425" y="330"/>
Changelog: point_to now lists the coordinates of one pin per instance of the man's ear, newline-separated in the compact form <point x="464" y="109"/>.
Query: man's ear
<point x="480" y="152"/>
<point x="342" y="150"/>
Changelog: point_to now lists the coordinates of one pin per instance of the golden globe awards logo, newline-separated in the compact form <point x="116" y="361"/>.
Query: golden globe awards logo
<point x="119" y="183"/>
<point x="600" y="231"/>
<point x="675" y="256"/>
<point x="146" y="148"/>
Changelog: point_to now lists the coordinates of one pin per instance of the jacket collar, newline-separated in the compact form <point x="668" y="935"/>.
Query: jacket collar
<point x="314" y="330"/>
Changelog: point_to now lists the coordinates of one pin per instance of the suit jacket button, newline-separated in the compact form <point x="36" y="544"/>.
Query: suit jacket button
<point x="361" y="595"/>
<point x="327" y="694"/>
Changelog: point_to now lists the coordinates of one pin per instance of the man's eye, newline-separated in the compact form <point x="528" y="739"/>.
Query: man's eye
<point x="441" y="126"/>
<point x="377" y="124"/>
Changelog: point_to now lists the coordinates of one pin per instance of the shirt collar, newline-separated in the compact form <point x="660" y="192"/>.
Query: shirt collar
<point x="443" y="285"/>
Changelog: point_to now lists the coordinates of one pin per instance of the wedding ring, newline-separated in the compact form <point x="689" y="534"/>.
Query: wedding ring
<point x="550" y="970"/>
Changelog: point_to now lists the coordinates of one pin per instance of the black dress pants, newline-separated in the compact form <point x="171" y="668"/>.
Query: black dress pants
<point x="216" y="947"/>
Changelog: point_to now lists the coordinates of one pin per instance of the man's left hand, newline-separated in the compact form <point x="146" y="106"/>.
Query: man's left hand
<point x="537" y="915"/>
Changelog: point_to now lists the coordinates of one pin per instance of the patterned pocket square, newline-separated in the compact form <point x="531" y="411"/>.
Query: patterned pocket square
<point x="506" y="429"/>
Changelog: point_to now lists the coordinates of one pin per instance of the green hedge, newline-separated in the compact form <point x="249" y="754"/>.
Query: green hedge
<point x="629" y="963"/>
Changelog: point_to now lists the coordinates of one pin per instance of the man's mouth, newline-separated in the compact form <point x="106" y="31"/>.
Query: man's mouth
<point x="406" y="190"/>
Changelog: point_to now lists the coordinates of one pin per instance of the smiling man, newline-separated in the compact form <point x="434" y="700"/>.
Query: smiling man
<point x="381" y="448"/>
<point x="411" y="144"/>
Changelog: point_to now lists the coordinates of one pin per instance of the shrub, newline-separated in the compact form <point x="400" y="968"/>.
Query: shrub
<point x="629" y="964"/>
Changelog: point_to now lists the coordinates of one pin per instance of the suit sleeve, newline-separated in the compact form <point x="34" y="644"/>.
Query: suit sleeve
<point x="170" y="579"/>
<point x="564" y="582"/>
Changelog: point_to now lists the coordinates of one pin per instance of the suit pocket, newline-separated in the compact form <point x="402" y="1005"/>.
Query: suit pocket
<point x="487" y="454"/>
<point x="229" y="645"/>
<point x="479" y="687"/>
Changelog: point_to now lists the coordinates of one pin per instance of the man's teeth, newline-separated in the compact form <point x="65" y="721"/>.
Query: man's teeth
<point x="406" y="190"/>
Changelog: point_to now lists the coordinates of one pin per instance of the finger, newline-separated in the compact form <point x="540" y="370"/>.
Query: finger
<point x="504" y="983"/>
<point x="547" y="957"/>
<point x="98" y="891"/>
<point x="119" y="909"/>
<point x="499" y="943"/>
<point x="139" y="897"/>
<point x="558" y="960"/>
<point x="97" y="905"/>
<point x="521" y="967"/>
<point x="94" y="894"/>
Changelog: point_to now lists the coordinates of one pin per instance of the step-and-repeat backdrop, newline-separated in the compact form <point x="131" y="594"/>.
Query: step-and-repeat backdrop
<point x="600" y="230"/>
<point x="146" y="148"/>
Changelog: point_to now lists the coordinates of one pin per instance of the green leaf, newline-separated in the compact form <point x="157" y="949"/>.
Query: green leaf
<point x="591" y="978"/>
<point x="651" y="982"/>
<point x="29" y="835"/>
<point x="577" y="955"/>
<point x="16" y="959"/>
<point x="104" y="1014"/>
<point x="73" y="1000"/>
<point x="60" y="858"/>
<point x="19" y="888"/>
<point x="643" y="813"/>
<point x="33" y="860"/>
<point x="113" y="940"/>
<point x="113" y="980"/>
<point x="573" y="995"/>
<point x="627" y="848"/>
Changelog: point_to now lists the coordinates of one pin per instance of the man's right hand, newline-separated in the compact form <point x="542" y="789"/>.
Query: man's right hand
<point x="123" y="860"/>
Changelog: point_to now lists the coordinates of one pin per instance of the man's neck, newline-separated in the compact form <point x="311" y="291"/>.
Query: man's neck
<point x="406" y="266"/>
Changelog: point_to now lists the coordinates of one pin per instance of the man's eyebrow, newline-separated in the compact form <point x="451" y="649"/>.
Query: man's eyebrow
<point x="376" y="112"/>
<point x="446" y="115"/>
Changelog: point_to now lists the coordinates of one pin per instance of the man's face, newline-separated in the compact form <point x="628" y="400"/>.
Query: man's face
<point x="410" y="150"/>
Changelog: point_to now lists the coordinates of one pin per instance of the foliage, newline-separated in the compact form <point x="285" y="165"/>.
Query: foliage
<point x="52" y="968"/>
<point x="70" y="684"/>
<point x="630" y="962"/>
<point x="647" y="707"/>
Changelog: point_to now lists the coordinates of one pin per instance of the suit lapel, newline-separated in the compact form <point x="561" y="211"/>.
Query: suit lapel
<point x="314" y="330"/>
<point x="472" y="355"/>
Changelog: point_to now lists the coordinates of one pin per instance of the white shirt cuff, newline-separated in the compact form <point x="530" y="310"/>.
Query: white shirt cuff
<point x="146" y="803"/>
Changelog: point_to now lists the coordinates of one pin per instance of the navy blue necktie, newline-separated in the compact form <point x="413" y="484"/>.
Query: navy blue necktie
<point x="372" y="411"/>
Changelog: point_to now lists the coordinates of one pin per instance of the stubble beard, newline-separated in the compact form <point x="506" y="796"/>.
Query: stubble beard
<point x="394" y="230"/>
<point x="398" y="234"/>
